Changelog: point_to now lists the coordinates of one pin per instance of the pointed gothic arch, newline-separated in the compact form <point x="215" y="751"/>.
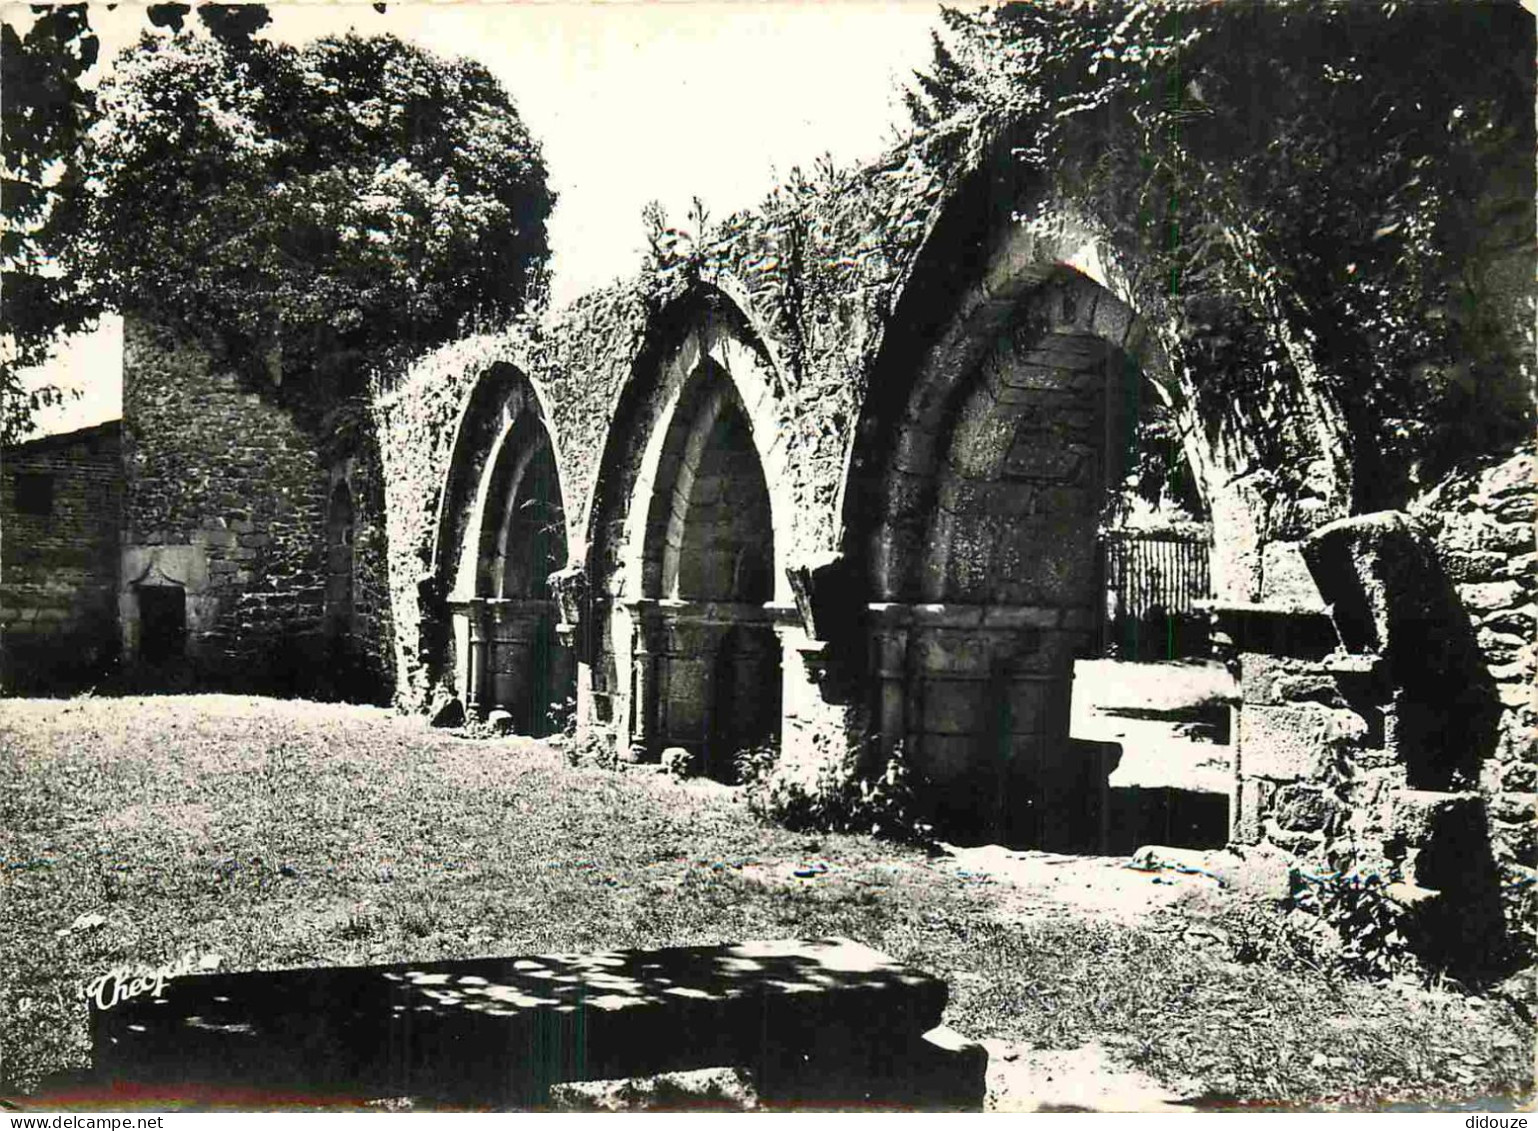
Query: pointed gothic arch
<point x="688" y="529"/>
<point x="502" y="531"/>
<point x="998" y="424"/>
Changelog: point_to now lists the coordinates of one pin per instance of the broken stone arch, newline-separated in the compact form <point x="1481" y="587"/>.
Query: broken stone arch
<point x="502" y="531"/>
<point x="688" y="532"/>
<point x="1001" y="416"/>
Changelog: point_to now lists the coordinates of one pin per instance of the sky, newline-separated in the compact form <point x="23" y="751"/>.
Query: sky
<point x="633" y="101"/>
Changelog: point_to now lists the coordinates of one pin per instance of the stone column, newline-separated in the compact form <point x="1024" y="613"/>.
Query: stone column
<point x="889" y="662"/>
<point x="479" y="670"/>
<point x="643" y="713"/>
<point x="710" y="638"/>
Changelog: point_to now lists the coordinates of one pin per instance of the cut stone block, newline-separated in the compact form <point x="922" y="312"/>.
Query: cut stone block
<point x="1271" y="680"/>
<point x="1305" y="808"/>
<point x="1249" y="810"/>
<point x="498" y="1032"/>
<point x="947" y="1072"/>
<point x="1287" y="743"/>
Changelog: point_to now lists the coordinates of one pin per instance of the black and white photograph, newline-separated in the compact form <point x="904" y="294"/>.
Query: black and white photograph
<point x="729" y="556"/>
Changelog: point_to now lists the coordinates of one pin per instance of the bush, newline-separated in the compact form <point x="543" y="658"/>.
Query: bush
<point x="837" y="795"/>
<point x="755" y="764"/>
<point x="563" y="717"/>
<point x="1355" y="904"/>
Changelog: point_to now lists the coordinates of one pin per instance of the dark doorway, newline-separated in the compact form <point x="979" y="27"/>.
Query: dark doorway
<point x="162" y="623"/>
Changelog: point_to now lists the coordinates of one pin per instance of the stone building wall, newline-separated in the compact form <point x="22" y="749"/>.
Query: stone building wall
<point x="226" y="499"/>
<point x="59" y="559"/>
<point x="373" y="624"/>
<point x="840" y="285"/>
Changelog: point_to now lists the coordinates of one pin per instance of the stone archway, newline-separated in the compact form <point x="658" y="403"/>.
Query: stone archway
<point x="502" y="532"/>
<point x="501" y="600"/>
<point x="713" y="684"/>
<point x="689" y="600"/>
<point x="978" y="543"/>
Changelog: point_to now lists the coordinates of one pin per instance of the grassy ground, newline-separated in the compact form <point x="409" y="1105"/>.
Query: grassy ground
<point x="278" y="834"/>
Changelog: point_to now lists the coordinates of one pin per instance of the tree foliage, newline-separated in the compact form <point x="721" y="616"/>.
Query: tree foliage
<point x="303" y="211"/>
<point x="43" y="116"/>
<point x="314" y="207"/>
<point x="48" y="106"/>
<point x="1336" y="192"/>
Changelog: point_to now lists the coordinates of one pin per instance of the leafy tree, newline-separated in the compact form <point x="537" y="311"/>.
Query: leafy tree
<point x="305" y="212"/>
<point x="47" y="108"/>
<point x="1336" y="192"/>
<point x="43" y="117"/>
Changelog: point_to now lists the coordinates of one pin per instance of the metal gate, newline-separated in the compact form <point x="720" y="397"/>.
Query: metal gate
<point x="1153" y="580"/>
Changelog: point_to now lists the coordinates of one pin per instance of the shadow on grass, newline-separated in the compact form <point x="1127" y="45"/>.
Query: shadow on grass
<point x="500" y="1031"/>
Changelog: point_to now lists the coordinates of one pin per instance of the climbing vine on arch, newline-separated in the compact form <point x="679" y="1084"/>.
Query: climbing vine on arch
<point x="1348" y="207"/>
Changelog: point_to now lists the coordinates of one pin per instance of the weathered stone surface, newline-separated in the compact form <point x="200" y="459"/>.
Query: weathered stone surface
<point x="1286" y="577"/>
<point x="1309" y="687"/>
<point x="1304" y="808"/>
<point x="231" y="473"/>
<point x="1259" y="674"/>
<point x="945" y="758"/>
<point x="58" y="588"/>
<point x="1418" y="814"/>
<point x="1375" y="574"/>
<point x="1293" y="742"/>
<point x="1303" y="844"/>
<point x="798" y="1014"/>
<point x="1474" y="565"/>
<point x="951" y="651"/>
<point x="1516" y="841"/>
<point x="954" y="707"/>
<point x="1485" y="597"/>
<point x="1442" y="836"/>
<point x="1514" y="620"/>
<point x="1251" y="806"/>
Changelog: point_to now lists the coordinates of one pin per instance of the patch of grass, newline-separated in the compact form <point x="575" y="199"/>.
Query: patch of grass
<point x="277" y="834"/>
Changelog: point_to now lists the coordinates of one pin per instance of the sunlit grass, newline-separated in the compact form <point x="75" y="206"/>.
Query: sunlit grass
<point x="281" y="834"/>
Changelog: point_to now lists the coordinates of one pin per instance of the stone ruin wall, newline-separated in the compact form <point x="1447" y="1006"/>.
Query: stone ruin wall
<point x="227" y="497"/>
<point x="1482" y="525"/>
<point x="863" y="231"/>
<point x="817" y="275"/>
<point x="1413" y="755"/>
<point x="58" y="587"/>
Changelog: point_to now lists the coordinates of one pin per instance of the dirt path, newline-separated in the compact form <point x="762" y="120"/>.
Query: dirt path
<point x="1048" y="885"/>
<point x="1023" y="1079"/>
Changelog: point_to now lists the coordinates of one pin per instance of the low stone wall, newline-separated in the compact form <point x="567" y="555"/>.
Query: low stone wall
<point x="58" y="584"/>
<point x="1399" y="728"/>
